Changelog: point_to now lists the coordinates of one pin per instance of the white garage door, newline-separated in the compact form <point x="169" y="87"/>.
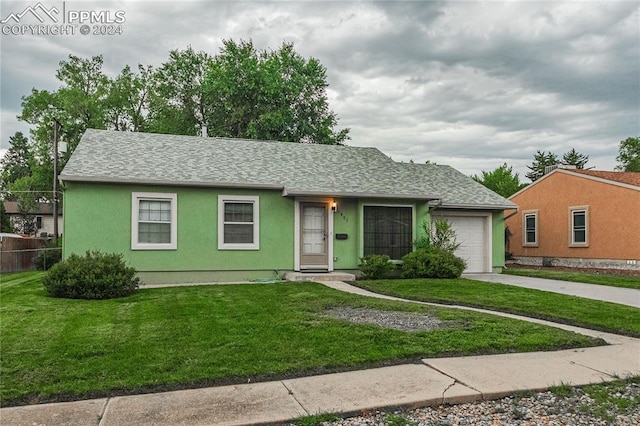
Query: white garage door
<point x="471" y="233"/>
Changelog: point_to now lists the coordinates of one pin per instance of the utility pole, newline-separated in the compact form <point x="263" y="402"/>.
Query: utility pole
<point x="55" y="179"/>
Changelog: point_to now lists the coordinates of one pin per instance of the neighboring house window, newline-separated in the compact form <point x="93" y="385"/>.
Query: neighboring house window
<point x="154" y="221"/>
<point x="39" y="222"/>
<point x="388" y="230"/>
<point x="579" y="226"/>
<point x="530" y="225"/>
<point x="238" y="222"/>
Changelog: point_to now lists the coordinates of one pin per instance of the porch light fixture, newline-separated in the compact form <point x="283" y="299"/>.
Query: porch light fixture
<point x="334" y="206"/>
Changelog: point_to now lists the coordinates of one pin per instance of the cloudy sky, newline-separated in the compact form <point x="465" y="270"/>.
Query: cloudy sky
<point x="469" y="84"/>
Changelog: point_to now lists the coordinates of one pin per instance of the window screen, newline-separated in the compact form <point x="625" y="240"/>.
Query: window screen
<point x="388" y="230"/>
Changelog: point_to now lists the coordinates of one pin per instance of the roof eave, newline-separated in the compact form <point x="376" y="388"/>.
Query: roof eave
<point x="579" y="175"/>
<point x="478" y="206"/>
<point x="339" y="194"/>
<point x="604" y="180"/>
<point x="203" y="184"/>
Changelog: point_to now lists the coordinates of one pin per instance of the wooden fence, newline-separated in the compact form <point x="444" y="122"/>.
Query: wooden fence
<point x="19" y="254"/>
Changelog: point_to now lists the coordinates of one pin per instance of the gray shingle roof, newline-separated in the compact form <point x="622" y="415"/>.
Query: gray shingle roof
<point x="296" y="169"/>
<point x="457" y="189"/>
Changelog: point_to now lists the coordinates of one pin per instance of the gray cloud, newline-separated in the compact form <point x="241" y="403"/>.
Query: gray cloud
<point x="462" y="83"/>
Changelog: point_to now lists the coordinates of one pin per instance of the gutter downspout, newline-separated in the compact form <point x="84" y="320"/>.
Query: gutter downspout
<point x="504" y="219"/>
<point x="436" y="207"/>
<point x="517" y="209"/>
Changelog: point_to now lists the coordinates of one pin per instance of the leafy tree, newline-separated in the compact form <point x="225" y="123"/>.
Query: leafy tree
<point x="86" y="99"/>
<point x="78" y="105"/>
<point x="574" y="158"/>
<point x="629" y="155"/>
<point x="126" y="104"/>
<point x="274" y="94"/>
<point x="541" y="159"/>
<point x="177" y="103"/>
<point x="241" y="92"/>
<point x="501" y="180"/>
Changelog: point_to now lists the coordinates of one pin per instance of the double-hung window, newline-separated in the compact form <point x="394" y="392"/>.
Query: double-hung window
<point x="388" y="230"/>
<point x="530" y="229"/>
<point x="579" y="232"/>
<point x="154" y="221"/>
<point x="238" y="222"/>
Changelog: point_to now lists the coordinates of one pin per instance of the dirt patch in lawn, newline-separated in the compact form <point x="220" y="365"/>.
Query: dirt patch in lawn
<point x="403" y="321"/>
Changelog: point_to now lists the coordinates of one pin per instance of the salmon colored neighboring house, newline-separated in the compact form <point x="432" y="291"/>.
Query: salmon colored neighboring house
<point x="584" y="218"/>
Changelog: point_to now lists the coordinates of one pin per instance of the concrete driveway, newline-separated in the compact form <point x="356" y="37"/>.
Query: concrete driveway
<point x="623" y="296"/>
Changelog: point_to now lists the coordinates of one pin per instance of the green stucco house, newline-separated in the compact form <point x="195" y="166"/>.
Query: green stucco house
<point x="196" y="209"/>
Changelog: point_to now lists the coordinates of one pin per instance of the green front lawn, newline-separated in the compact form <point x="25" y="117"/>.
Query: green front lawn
<point x="580" y="277"/>
<point x="516" y="300"/>
<point x="169" y="338"/>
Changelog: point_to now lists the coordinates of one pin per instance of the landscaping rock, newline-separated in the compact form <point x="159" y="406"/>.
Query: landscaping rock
<point x="545" y="408"/>
<point x="403" y="321"/>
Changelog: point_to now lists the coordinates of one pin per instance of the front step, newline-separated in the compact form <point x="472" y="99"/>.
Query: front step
<point x="319" y="276"/>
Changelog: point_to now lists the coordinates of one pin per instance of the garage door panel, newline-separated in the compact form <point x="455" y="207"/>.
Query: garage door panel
<point x="471" y="233"/>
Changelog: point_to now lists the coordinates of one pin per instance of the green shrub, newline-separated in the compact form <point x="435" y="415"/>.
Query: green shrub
<point x="49" y="256"/>
<point x="376" y="266"/>
<point x="93" y="276"/>
<point x="437" y="234"/>
<point x="432" y="263"/>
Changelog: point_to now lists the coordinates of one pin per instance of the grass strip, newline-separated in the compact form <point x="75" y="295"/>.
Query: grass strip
<point x="174" y="338"/>
<point x="555" y="307"/>
<point x="579" y="277"/>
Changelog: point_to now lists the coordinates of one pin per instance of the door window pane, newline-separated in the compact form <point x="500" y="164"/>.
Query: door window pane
<point x="313" y="230"/>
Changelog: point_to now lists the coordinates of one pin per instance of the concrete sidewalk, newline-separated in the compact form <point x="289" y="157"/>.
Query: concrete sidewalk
<point x="623" y="296"/>
<point x="431" y="382"/>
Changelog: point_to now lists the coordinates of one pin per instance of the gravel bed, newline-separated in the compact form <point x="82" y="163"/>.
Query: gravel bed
<point x="403" y="321"/>
<point x="575" y="407"/>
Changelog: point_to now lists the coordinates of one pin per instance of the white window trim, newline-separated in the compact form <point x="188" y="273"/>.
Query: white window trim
<point x="533" y="213"/>
<point x="572" y="241"/>
<point x="136" y="197"/>
<point x="255" y="200"/>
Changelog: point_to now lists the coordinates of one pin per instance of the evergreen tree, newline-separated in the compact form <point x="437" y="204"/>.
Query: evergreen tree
<point x="574" y="158"/>
<point x="17" y="161"/>
<point x="5" y="220"/>
<point x="541" y="160"/>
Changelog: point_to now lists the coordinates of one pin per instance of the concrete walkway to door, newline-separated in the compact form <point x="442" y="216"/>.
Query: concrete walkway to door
<point x="623" y="296"/>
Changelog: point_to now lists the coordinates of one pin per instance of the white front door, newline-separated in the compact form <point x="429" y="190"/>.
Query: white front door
<point x="313" y="236"/>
